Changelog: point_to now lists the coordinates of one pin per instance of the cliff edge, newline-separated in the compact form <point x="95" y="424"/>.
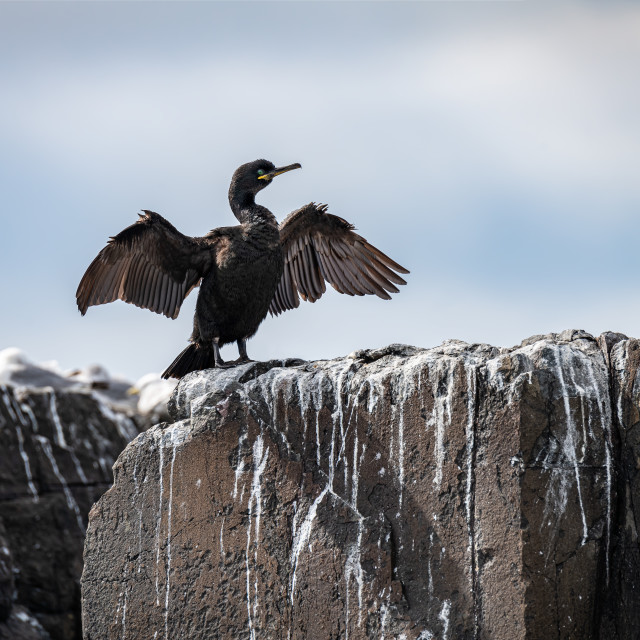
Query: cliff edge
<point x="460" y="492"/>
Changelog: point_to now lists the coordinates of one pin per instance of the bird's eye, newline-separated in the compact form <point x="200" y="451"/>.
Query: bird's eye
<point x="261" y="172"/>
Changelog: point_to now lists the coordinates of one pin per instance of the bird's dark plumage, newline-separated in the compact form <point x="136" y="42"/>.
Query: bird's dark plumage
<point x="149" y="264"/>
<point x="318" y="246"/>
<point x="243" y="271"/>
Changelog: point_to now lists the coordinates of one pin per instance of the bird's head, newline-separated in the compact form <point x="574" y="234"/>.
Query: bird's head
<point x="255" y="176"/>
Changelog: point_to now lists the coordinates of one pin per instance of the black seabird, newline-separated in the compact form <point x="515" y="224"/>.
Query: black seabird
<point x="243" y="271"/>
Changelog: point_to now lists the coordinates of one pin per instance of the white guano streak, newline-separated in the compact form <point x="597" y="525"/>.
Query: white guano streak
<point x="343" y="432"/>
<point x="166" y="594"/>
<point x="620" y="414"/>
<point x="60" y="441"/>
<point x="240" y="464"/>
<point x="569" y="444"/>
<point x="23" y="454"/>
<point x="605" y="420"/>
<point x="71" y="503"/>
<point x="159" y="519"/>
<point x="7" y="403"/>
<point x="124" y="597"/>
<point x="444" y="616"/>
<point x="338" y="417"/>
<point x="353" y="568"/>
<point x="357" y="465"/>
<point x="318" y="438"/>
<point x="403" y="400"/>
<point x="259" y="464"/>
<point x="27" y="466"/>
<point x="27" y="409"/>
<point x="77" y="465"/>
<point x="441" y="405"/>
<point x="303" y="405"/>
<point x="136" y="492"/>
<point x="301" y="537"/>
<point x="308" y="388"/>
<point x="124" y="425"/>
<point x="471" y="401"/>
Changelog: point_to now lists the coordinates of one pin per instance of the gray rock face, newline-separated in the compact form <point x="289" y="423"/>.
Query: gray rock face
<point x="462" y="492"/>
<point x="58" y="447"/>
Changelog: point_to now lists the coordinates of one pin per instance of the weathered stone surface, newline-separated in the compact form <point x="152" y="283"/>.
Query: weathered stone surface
<point x="620" y="604"/>
<point x="58" y="447"/>
<point x="143" y="402"/>
<point x="462" y="492"/>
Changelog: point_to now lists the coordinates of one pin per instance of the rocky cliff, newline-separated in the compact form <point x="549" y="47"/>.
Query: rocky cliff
<point x="462" y="492"/>
<point x="58" y="447"/>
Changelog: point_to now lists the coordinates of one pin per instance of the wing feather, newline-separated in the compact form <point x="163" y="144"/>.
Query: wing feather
<point x="305" y="273"/>
<point x="316" y="277"/>
<point x="379" y="267"/>
<point x="348" y="279"/>
<point x="157" y="289"/>
<point x="131" y="279"/>
<point x="367" y="283"/>
<point x="334" y="279"/>
<point x="120" y="276"/>
<point x="289" y="291"/>
<point x="359" y="270"/>
<point x="147" y="284"/>
<point x="173" y="297"/>
<point x="157" y="283"/>
<point x="177" y="296"/>
<point x="109" y="281"/>
<point x="361" y="287"/>
<point x="165" y="292"/>
<point x="378" y="275"/>
<point x="320" y="247"/>
<point x="298" y="279"/>
<point x="384" y="258"/>
<point x="150" y="264"/>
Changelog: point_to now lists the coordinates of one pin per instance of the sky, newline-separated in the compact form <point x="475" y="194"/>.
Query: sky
<point x="492" y="148"/>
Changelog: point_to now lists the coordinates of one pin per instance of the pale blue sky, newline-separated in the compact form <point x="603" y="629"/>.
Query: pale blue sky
<point x="490" y="147"/>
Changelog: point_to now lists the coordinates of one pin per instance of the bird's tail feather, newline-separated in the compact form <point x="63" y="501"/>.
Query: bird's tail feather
<point x="194" y="358"/>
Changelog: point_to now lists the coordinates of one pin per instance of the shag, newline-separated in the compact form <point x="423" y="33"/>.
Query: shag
<point x="243" y="271"/>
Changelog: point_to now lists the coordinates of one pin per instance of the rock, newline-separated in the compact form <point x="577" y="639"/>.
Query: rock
<point x="620" y="602"/>
<point x="461" y="492"/>
<point x="58" y="446"/>
<point x="21" y="625"/>
<point x="7" y="584"/>
<point x="18" y="371"/>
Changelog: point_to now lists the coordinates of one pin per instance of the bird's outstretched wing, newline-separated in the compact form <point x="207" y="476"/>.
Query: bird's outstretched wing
<point x="319" y="246"/>
<point x="150" y="264"/>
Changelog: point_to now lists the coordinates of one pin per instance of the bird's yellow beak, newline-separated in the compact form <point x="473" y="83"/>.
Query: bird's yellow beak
<point x="277" y="172"/>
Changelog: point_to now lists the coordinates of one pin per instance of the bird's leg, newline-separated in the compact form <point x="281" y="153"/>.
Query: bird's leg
<point x="219" y="362"/>
<point x="242" y="350"/>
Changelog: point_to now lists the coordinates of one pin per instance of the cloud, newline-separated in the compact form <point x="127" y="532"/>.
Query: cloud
<point x="493" y="150"/>
<point x="524" y="103"/>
